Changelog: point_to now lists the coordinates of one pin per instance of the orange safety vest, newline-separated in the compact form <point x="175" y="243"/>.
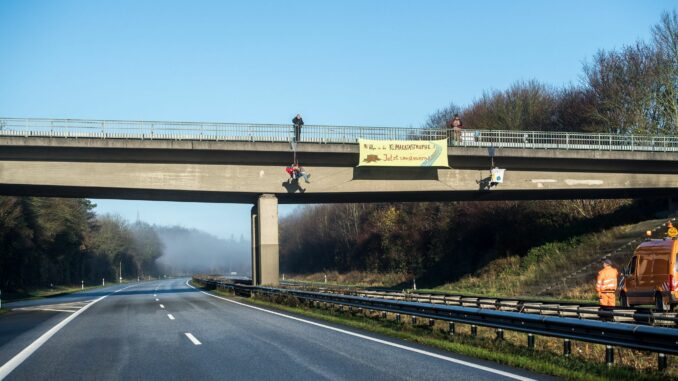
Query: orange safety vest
<point x="607" y="279"/>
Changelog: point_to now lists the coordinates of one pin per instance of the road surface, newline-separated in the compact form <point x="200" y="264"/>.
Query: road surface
<point x="168" y="330"/>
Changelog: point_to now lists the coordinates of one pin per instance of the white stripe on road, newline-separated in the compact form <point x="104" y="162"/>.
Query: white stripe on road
<point x="161" y="306"/>
<point x="15" y="361"/>
<point x="157" y="300"/>
<point x="155" y="295"/>
<point x="193" y="339"/>
<point x="388" y="343"/>
<point x="170" y="316"/>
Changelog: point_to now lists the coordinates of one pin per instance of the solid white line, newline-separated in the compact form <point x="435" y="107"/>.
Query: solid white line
<point x="193" y="339"/>
<point x="15" y="361"/>
<point x="388" y="343"/>
<point x="161" y="306"/>
<point x="170" y="316"/>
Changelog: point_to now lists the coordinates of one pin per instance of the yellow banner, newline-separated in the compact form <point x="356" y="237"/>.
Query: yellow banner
<point x="403" y="153"/>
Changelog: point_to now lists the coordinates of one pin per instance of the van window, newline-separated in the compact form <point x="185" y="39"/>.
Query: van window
<point x="644" y="265"/>
<point x="660" y="265"/>
<point x="631" y="267"/>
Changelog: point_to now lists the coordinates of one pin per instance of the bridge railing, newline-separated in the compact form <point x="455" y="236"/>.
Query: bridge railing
<point x="118" y="129"/>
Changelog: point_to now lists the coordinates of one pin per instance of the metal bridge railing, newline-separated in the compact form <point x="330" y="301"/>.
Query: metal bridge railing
<point x="157" y="130"/>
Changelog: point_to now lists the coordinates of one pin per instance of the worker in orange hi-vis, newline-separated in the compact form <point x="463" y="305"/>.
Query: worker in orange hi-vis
<point x="607" y="284"/>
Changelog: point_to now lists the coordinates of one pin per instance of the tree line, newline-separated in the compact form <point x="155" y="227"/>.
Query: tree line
<point x="45" y="241"/>
<point x="632" y="90"/>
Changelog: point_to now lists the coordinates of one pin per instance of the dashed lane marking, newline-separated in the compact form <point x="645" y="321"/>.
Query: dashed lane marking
<point x="162" y="306"/>
<point x="193" y="339"/>
<point x="170" y="316"/>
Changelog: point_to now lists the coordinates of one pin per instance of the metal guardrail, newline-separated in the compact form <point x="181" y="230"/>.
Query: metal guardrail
<point x="633" y="336"/>
<point x="580" y="310"/>
<point x="160" y="130"/>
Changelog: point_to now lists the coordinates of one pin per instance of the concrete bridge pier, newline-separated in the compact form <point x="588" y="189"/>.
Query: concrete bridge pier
<point x="265" y="245"/>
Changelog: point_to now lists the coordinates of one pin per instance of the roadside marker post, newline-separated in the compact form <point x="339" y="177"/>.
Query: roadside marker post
<point x="530" y="341"/>
<point x="609" y="355"/>
<point x="82" y="284"/>
<point x="661" y="362"/>
<point x="567" y="347"/>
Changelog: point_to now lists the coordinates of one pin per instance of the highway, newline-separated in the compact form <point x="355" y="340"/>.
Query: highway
<point x="170" y="330"/>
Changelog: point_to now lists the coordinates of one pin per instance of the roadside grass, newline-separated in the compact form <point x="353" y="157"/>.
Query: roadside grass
<point x="586" y="362"/>
<point x="3" y="311"/>
<point x="569" y="267"/>
<point x="352" y="278"/>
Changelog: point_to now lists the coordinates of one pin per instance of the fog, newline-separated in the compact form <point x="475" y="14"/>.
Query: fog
<point x="190" y="251"/>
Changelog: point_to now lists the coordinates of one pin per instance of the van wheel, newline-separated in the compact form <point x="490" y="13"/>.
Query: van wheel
<point x="660" y="304"/>
<point x="624" y="301"/>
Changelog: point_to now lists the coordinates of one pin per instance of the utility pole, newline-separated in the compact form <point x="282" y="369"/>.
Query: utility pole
<point x="120" y="267"/>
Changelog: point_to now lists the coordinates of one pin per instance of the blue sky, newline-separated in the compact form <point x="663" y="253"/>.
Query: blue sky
<point x="386" y="63"/>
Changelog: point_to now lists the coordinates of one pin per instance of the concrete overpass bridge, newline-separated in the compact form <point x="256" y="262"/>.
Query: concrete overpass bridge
<point x="244" y="163"/>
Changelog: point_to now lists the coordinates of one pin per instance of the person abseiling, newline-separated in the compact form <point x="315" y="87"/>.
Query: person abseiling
<point x="606" y="285"/>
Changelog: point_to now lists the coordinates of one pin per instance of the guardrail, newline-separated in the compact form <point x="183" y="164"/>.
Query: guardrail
<point x="161" y="130"/>
<point x="563" y="309"/>
<point x="656" y="339"/>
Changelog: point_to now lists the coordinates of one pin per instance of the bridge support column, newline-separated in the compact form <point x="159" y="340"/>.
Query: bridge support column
<point x="266" y="261"/>
<point x="255" y="262"/>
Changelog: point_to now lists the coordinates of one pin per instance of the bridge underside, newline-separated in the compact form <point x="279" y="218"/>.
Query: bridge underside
<point x="496" y="194"/>
<point x="253" y="173"/>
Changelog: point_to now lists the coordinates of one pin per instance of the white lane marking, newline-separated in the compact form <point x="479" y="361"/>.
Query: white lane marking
<point x="15" y="361"/>
<point x="388" y="343"/>
<point x="161" y="306"/>
<point x="193" y="339"/>
<point x="155" y="295"/>
<point x="157" y="300"/>
<point x="170" y="316"/>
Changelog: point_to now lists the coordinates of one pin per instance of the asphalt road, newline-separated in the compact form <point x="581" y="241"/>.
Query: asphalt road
<point x="167" y="330"/>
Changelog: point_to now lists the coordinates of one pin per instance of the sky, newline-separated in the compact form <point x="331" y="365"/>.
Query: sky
<point x="348" y="62"/>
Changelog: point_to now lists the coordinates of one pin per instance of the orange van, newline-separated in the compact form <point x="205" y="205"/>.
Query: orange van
<point x="651" y="277"/>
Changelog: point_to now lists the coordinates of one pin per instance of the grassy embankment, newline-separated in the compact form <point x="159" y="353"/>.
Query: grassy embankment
<point x="569" y="267"/>
<point x="586" y="362"/>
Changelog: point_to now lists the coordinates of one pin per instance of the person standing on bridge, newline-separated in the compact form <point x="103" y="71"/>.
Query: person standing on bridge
<point x="298" y="122"/>
<point x="606" y="285"/>
<point x="456" y="125"/>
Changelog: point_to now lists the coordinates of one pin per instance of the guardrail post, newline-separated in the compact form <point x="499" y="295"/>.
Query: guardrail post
<point x="567" y="347"/>
<point x="661" y="362"/>
<point x="451" y="329"/>
<point x="500" y="334"/>
<point x="474" y="330"/>
<point x="609" y="355"/>
<point x="530" y="341"/>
